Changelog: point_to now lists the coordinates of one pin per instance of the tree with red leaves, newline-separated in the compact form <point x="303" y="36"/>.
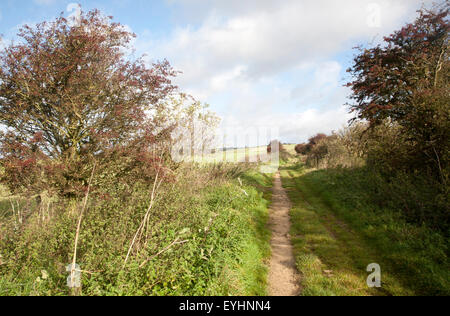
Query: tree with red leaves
<point x="275" y="146"/>
<point x="315" y="140"/>
<point x="70" y="98"/>
<point x="413" y="61"/>
<point x="406" y="81"/>
<point x="301" y="149"/>
<point x="305" y="149"/>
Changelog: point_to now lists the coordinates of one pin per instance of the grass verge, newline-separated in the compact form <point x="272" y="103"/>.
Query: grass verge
<point x="337" y="232"/>
<point x="221" y="221"/>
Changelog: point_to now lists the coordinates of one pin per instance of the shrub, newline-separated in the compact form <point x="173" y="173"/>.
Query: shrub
<point x="301" y="149"/>
<point x="71" y="99"/>
<point x="346" y="148"/>
<point x="405" y="83"/>
<point x="275" y="144"/>
<point x="315" y="140"/>
<point x="200" y="232"/>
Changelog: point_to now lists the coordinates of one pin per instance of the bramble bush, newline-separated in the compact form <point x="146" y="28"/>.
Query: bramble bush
<point x="402" y="89"/>
<point x="200" y="233"/>
<point x="86" y="155"/>
<point x="401" y="95"/>
<point x="404" y="83"/>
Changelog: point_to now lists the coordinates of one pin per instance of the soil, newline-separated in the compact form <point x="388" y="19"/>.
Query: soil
<point x="284" y="279"/>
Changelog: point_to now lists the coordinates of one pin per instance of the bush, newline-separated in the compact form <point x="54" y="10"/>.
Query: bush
<point x="275" y="144"/>
<point x="315" y="140"/>
<point x="385" y="150"/>
<point x="403" y="86"/>
<point x="305" y="149"/>
<point x="200" y="232"/>
<point x="346" y="148"/>
<point x="301" y="149"/>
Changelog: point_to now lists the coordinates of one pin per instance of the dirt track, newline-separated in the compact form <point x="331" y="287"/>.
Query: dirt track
<point x="284" y="280"/>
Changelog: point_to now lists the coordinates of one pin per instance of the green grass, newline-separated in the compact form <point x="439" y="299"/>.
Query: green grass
<point x="226" y="252"/>
<point x="256" y="251"/>
<point x="337" y="227"/>
<point x="5" y="203"/>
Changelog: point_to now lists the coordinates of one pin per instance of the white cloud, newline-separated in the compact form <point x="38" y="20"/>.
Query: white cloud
<point x="4" y="42"/>
<point x="225" y="80"/>
<point x="294" y="128"/>
<point x="274" y="37"/>
<point x="301" y="126"/>
<point x="323" y="80"/>
<point x="262" y="60"/>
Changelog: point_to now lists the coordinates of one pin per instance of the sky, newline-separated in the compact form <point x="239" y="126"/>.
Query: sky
<point x="256" y="62"/>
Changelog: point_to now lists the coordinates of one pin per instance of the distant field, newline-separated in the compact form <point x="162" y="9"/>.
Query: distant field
<point x="255" y="154"/>
<point x="290" y="148"/>
<point x="252" y="154"/>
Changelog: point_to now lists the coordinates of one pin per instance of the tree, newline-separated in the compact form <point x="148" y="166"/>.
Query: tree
<point x="405" y="82"/>
<point x="196" y="125"/>
<point x="301" y="149"/>
<point x="313" y="141"/>
<point x="275" y="146"/>
<point x="70" y="97"/>
<point x="413" y="60"/>
<point x="305" y="149"/>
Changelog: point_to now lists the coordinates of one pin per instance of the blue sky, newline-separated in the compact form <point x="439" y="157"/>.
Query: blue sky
<point x="257" y="62"/>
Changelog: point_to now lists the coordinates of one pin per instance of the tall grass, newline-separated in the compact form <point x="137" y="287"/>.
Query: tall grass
<point x="205" y="235"/>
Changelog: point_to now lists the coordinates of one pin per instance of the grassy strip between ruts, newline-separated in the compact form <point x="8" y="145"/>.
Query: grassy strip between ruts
<point x="336" y="237"/>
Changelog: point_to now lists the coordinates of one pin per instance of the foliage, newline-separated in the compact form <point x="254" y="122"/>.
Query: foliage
<point x="301" y="149"/>
<point x="71" y="98"/>
<point x="196" y="126"/>
<point x="345" y="148"/>
<point x="75" y="105"/>
<point x="305" y="149"/>
<point x="417" y="196"/>
<point x="315" y="140"/>
<point x="402" y="94"/>
<point x="405" y="82"/>
<point x="206" y="237"/>
<point x="275" y="144"/>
